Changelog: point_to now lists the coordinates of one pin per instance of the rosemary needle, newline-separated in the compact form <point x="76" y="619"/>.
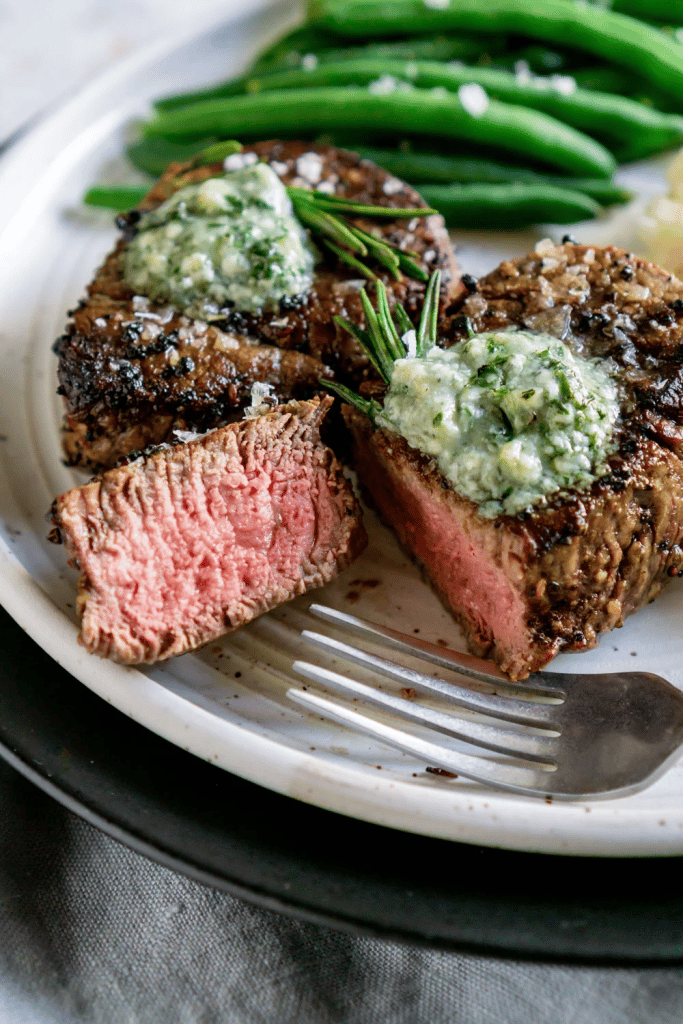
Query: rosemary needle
<point x="383" y="337"/>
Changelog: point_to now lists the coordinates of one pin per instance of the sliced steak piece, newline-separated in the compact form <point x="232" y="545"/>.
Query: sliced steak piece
<point x="195" y="540"/>
<point x="554" y="577"/>
<point x="132" y="371"/>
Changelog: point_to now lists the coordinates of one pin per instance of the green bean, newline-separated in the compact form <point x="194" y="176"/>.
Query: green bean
<point x="426" y="48"/>
<point x="421" y="168"/>
<point x="527" y="133"/>
<point x="620" y="39"/>
<point x="152" y="156"/>
<point x="512" y="205"/>
<point x="667" y="11"/>
<point x="540" y="59"/>
<point x="116" y="197"/>
<point x="304" y="38"/>
<point x="508" y="206"/>
<point x="605" y="116"/>
<point x="605" y="79"/>
<point x="615" y="80"/>
<point x="431" y="48"/>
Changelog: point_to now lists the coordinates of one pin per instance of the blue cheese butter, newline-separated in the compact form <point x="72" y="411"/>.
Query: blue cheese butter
<point x="510" y="417"/>
<point x="225" y="243"/>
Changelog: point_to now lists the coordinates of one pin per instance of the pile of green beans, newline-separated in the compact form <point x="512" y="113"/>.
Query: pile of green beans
<point x="421" y="112"/>
<point x="622" y="123"/>
<point x="629" y="43"/>
<point x="543" y="149"/>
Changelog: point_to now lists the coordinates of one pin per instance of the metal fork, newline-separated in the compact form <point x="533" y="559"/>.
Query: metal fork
<point x="563" y="735"/>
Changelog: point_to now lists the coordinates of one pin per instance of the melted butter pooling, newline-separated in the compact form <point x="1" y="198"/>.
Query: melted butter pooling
<point x="228" y="242"/>
<point x="510" y="416"/>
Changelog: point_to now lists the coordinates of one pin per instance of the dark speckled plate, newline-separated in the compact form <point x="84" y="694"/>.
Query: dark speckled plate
<point x="289" y="856"/>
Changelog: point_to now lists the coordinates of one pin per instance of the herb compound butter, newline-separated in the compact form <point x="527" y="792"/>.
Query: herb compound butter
<point x="228" y="242"/>
<point x="510" y="417"/>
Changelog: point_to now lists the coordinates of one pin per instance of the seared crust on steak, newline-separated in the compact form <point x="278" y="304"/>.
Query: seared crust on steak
<point x="554" y="577"/>
<point x="188" y="376"/>
<point x="132" y="371"/>
<point x="195" y="540"/>
<point x="611" y="304"/>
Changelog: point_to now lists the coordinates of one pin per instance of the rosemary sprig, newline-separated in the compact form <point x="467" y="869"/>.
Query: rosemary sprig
<point x="324" y="224"/>
<point x="383" y="338"/>
<point x="320" y="213"/>
<point x="426" y="332"/>
<point x="350" y="260"/>
<point x="325" y="199"/>
<point x="368" y="406"/>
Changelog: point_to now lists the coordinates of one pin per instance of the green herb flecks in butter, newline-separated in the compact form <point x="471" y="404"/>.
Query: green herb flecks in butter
<point x="511" y="417"/>
<point x="228" y="242"/>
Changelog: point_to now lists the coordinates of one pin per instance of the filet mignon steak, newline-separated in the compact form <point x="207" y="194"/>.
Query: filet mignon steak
<point x="197" y="539"/>
<point x="555" y="576"/>
<point x="132" y="371"/>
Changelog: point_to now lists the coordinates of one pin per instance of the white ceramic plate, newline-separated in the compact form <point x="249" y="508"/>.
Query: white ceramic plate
<point x="227" y="704"/>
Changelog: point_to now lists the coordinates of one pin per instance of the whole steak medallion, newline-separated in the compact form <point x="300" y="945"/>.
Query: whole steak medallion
<point x="555" y="575"/>
<point x="132" y="370"/>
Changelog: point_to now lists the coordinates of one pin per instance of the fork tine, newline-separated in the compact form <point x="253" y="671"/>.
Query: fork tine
<point x="529" y="781"/>
<point x="456" y="661"/>
<point x="531" y="746"/>
<point x="505" y="708"/>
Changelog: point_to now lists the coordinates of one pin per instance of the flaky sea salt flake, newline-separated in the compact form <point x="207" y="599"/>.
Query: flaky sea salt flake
<point x="474" y="99"/>
<point x="564" y="84"/>
<point x="236" y="161"/>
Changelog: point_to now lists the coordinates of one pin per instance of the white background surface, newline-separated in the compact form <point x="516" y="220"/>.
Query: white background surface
<point x="51" y="48"/>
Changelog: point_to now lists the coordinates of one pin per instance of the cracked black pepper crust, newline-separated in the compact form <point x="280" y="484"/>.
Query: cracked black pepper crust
<point x="588" y="558"/>
<point x="613" y="305"/>
<point x="130" y="379"/>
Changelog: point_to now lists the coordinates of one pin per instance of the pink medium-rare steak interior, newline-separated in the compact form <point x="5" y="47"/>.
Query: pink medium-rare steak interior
<point x="198" y="539"/>
<point x="441" y="532"/>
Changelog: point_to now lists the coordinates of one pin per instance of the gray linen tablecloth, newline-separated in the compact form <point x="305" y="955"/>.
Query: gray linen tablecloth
<point x="92" y="932"/>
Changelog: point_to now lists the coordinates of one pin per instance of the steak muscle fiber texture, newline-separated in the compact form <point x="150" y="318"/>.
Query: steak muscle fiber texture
<point x="197" y="539"/>
<point x="554" y="577"/>
<point x="131" y="371"/>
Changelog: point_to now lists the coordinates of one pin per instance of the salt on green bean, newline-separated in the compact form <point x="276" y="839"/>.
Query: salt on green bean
<point x="438" y="48"/>
<point x="513" y="205"/>
<point x="607" y="117"/>
<point x="616" y="37"/>
<point x="528" y="134"/>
